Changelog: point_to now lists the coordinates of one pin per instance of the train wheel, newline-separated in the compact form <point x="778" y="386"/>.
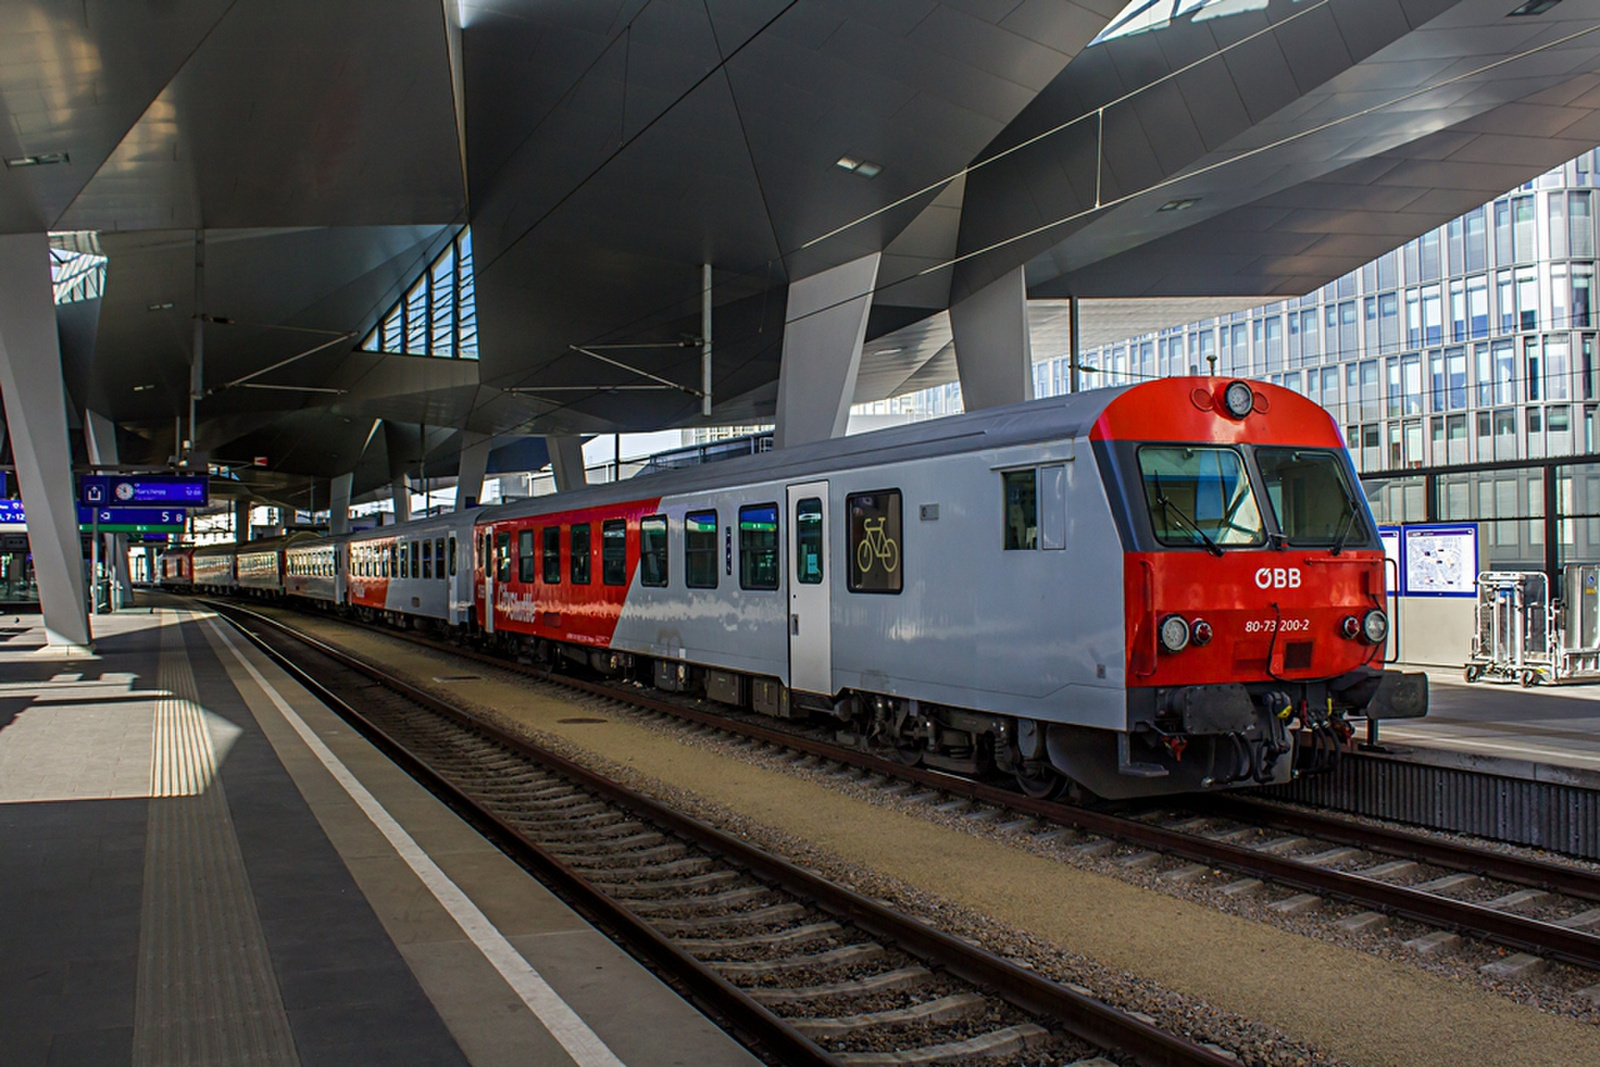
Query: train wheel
<point x="1042" y="784"/>
<point x="909" y="752"/>
<point x="1529" y="679"/>
<point x="1473" y="673"/>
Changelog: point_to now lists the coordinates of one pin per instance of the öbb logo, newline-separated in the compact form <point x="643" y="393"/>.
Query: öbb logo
<point x="1278" y="578"/>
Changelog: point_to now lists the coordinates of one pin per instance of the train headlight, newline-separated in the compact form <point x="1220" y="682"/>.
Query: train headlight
<point x="1238" y="399"/>
<point x="1375" y="627"/>
<point x="1350" y="627"/>
<point x="1200" y="632"/>
<point x="1174" y="633"/>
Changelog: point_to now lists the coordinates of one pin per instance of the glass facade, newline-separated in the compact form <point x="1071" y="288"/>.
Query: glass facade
<point x="1473" y="343"/>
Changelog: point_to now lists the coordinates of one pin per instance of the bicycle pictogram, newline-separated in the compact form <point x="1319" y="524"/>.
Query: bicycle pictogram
<point x="875" y="545"/>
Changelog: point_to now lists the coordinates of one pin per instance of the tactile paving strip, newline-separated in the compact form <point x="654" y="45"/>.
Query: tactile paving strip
<point x="206" y="990"/>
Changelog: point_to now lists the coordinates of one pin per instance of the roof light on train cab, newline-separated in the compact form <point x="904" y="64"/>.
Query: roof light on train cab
<point x="1174" y="633"/>
<point x="1238" y="399"/>
<point x="1375" y="627"/>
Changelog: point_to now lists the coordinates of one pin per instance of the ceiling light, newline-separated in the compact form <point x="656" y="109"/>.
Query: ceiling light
<point x="44" y="159"/>
<point x="1179" y="205"/>
<point x="863" y="167"/>
<point x="142" y="388"/>
<point x="888" y="351"/>
<point x="1535" y="7"/>
<point x="165" y="305"/>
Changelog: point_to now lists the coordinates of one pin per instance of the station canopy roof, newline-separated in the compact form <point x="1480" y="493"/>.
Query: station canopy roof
<point x="338" y="162"/>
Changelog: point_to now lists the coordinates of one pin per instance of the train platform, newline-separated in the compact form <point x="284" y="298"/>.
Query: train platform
<point x="1546" y="733"/>
<point x="205" y="866"/>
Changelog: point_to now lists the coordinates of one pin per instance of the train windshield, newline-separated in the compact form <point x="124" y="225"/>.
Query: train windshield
<point x="1310" y="496"/>
<point x="1199" y="496"/>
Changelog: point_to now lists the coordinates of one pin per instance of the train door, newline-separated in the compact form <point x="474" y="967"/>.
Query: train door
<point x="810" y="599"/>
<point x="487" y="542"/>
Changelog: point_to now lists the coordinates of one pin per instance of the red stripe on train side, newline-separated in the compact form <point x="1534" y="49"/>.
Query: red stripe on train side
<point x="579" y="614"/>
<point x="367" y="590"/>
<point x="1190" y="409"/>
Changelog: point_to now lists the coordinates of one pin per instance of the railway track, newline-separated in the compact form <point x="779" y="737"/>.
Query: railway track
<point x="803" y="970"/>
<point x="1542" y="910"/>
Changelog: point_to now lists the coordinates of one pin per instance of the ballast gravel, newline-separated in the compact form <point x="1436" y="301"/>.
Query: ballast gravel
<point x="1275" y="990"/>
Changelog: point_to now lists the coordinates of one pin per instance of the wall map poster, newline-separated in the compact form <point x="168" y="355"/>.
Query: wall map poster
<point x="1441" y="560"/>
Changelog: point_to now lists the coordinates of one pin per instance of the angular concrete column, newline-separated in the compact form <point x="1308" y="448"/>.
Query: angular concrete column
<point x="469" y="474"/>
<point x="339" y="503"/>
<point x="994" y="355"/>
<point x="824" y="324"/>
<point x="36" y="416"/>
<point x="404" y="445"/>
<point x="100" y="435"/>
<point x="566" y="462"/>
<point x="241" y="521"/>
<point x="400" y="493"/>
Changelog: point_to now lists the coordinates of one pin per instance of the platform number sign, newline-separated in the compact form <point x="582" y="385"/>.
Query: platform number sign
<point x="875" y="537"/>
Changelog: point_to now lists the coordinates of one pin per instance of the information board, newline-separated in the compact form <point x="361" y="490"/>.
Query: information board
<point x="146" y="490"/>
<point x="132" y="516"/>
<point x="1440" y="560"/>
<point x="109" y="520"/>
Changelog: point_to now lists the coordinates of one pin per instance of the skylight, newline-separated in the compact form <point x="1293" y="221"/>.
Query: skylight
<point x="76" y="275"/>
<point x="438" y="315"/>
<point x="1143" y="15"/>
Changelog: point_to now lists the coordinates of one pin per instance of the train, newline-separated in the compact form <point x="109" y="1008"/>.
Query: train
<point x="1169" y="587"/>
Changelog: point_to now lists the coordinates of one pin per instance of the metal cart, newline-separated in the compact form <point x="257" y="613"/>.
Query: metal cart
<point x="1524" y="636"/>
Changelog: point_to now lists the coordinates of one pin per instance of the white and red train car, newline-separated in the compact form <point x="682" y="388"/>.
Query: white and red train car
<point x="1162" y="588"/>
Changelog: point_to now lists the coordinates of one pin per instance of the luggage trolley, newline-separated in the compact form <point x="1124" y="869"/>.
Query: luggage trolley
<point x="1523" y="636"/>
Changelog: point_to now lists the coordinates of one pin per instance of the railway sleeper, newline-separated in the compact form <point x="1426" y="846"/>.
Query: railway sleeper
<point x="671" y="885"/>
<point x="943" y="1010"/>
<point x="847" y="956"/>
<point x="794" y="935"/>
<point x="732" y="920"/>
<point x="1005" y="1042"/>
<point x="899" y="978"/>
<point x="638" y="844"/>
<point x="689" y="905"/>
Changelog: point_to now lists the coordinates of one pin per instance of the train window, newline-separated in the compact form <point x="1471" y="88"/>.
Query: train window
<point x="700" y="550"/>
<point x="502" y="569"/>
<point x="1199" y="496"/>
<point x="525" y="557"/>
<point x="614" y="552"/>
<point x="578" y="548"/>
<point x="653" y="550"/>
<point x="808" y="541"/>
<point x="452" y="555"/>
<point x="405" y="556"/>
<point x="416" y="558"/>
<point x="551" y="537"/>
<point x="1310" y="496"/>
<point x="1022" y="509"/>
<point x="427" y="559"/>
<point x="438" y="557"/>
<point x="758" y="546"/>
<point x="875" y="542"/>
<point x="389" y="560"/>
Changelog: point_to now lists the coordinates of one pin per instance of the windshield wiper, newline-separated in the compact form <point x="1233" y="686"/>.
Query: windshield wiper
<point x="1167" y="505"/>
<point x="1347" y="524"/>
